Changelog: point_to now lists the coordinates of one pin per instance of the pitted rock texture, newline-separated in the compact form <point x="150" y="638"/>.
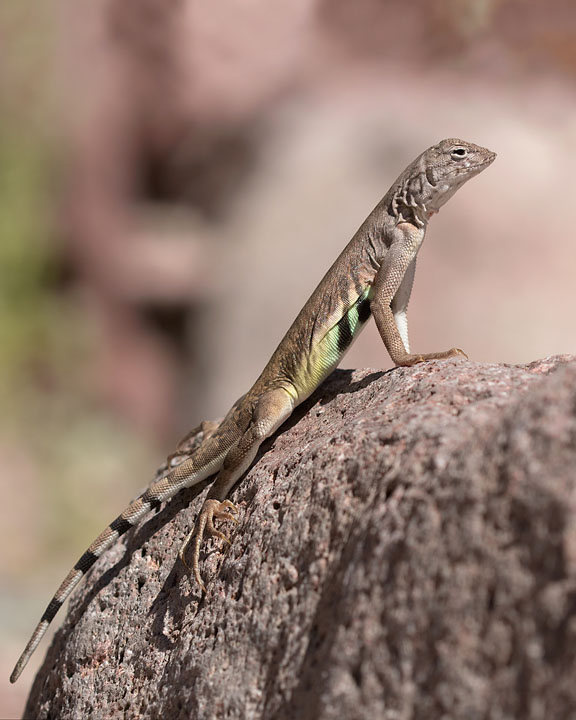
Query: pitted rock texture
<point x="406" y="549"/>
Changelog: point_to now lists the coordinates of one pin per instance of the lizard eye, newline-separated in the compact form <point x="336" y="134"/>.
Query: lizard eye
<point x="458" y="153"/>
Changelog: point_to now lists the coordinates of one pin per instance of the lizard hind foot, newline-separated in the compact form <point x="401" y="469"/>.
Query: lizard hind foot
<point x="211" y="510"/>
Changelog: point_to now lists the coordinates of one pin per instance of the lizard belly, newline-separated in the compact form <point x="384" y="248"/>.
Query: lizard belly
<point x="327" y="353"/>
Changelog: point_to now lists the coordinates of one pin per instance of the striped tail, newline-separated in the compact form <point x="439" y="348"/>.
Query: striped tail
<point x="204" y="462"/>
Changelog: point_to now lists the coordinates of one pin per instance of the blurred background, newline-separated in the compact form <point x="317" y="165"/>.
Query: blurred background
<point x="177" y="176"/>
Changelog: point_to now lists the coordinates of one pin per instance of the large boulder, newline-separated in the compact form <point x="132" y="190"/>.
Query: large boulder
<point x="406" y="549"/>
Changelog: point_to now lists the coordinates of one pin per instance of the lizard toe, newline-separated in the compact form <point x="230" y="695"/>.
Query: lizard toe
<point x="457" y="352"/>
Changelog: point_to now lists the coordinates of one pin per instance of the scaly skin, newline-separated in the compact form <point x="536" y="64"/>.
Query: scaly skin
<point x="372" y="275"/>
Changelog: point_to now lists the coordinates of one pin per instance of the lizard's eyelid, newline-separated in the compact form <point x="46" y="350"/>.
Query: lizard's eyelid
<point x="459" y="152"/>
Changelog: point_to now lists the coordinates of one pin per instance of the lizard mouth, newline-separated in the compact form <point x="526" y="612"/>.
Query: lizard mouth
<point x="489" y="160"/>
<point x="481" y="165"/>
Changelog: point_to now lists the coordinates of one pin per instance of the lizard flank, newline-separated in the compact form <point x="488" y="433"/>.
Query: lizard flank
<point x="372" y="276"/>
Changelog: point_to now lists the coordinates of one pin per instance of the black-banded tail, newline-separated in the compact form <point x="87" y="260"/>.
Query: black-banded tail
<point x="100" y="545"/>
<point x="204" y="462"/>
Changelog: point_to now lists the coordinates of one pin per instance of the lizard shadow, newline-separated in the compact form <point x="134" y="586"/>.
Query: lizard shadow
<point x="340" y="383"/>
<point x="171" y="598"/>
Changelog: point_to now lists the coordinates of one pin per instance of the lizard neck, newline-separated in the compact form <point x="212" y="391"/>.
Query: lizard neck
<point x="421" y="191"/>
<point x="412" y="198"/>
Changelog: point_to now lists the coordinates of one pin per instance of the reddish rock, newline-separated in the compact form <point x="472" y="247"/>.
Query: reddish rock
<point x="406" y="549"/>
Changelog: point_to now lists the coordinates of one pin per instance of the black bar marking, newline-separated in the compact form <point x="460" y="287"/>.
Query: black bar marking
<point x="151" y="500"/>
<point x="345" y="334"/>
<point x="364" y="310"/>
<point x="51" y="611"/>
<point x="86" y="561"/>
<point x="121" y="525"/>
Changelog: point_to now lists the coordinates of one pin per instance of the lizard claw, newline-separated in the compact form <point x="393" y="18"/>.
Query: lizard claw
<point x="456" y="352"/>
<point x="212" y="509"/>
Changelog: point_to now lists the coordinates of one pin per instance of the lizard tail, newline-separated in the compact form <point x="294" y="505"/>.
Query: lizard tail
<point x="204" y="462"/>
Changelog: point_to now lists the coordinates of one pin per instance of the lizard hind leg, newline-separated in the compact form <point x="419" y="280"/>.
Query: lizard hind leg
<point x="270" y="411"/>
<point x="212" y="509"/>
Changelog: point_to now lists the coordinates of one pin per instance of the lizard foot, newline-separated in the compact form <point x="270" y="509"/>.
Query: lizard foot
<point x="453" y="352"/>
<point x="410" y="360"/>
<point x="212" y="509"/>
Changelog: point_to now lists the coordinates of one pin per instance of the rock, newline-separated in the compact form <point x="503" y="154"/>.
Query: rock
<point x="406" y="549"/>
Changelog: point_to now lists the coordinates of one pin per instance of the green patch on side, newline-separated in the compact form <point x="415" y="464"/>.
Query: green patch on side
<point x="328" y="352"/>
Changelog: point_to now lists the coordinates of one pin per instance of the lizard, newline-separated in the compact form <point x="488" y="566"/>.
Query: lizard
<point x="373" y="275"/>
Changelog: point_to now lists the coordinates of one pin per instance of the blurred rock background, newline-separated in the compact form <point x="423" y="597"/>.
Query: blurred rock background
<point x="175" y="178"/>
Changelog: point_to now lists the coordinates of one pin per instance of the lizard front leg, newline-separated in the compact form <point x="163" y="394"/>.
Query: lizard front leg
<point x="392" y="286"/>
<point x="270" y="411"/>
<point x="399" y="304"/>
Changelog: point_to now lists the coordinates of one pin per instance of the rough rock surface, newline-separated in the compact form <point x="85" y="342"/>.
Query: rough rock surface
<point x="406" y="549"/>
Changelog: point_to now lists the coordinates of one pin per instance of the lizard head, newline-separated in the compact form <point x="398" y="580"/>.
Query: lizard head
<point x="447" y="166"/>
<point x="434" y="177"/>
